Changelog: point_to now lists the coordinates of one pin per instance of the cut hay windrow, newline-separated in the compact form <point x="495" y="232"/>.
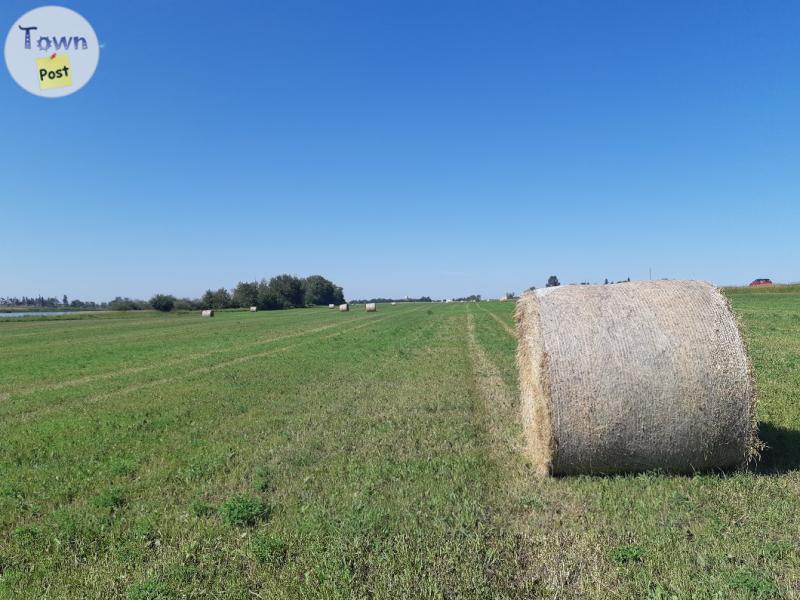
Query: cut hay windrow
<point x="634" y="376"/>
<point x="371" y="307"/>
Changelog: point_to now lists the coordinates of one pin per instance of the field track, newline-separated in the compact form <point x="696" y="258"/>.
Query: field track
<point x="385" y="451"/>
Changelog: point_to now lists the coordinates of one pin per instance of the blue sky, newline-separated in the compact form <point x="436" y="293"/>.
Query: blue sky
<point x="407" y="148"/>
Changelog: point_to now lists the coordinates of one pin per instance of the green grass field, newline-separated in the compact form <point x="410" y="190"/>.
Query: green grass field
<point x="312" y="453"/>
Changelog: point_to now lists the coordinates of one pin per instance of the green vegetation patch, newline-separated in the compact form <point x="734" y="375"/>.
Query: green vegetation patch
<point x="244" y="510"/>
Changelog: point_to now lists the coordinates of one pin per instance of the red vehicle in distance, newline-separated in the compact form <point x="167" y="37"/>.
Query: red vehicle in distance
<point x="756" y="282"/>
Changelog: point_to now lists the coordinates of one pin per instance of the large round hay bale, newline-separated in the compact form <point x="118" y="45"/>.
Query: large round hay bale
<point x="331" y="306"/>
<point x="371" y="307"/>
<point x="253" y="309"/>
<point x="634" y="376"/>
<point x="207" y="313"/>
<point x="344" y="308"/>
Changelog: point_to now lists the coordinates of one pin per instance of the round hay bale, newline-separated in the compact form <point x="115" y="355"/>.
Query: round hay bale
<point x="253" y="308"/>
<point x="343" y="308"/>
<point x="207" y="313"/>
<point x="331" y="306"/>
<point x="634" y="376"/>
<point x="371" y="307"/>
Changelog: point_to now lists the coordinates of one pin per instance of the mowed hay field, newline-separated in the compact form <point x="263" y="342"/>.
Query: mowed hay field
<point x="313" y="453"/>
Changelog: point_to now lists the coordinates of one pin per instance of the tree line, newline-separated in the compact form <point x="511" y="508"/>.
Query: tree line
<point x="281" y="291"/>
<point x="52" y="302"/>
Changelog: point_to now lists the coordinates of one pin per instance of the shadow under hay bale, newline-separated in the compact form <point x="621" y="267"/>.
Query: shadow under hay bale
<point x="782" y="449"/>
<point x="633" y="377"/>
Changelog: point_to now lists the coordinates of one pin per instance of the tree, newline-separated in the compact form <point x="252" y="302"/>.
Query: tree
<point x="245" y="294"/>
<point x="119" y="303"/>
<point x="266" y="298"/>
<point x="606" y="281"/>
<point x="220" y="298"/>
<point x="65" y="300"/>
<point x="163" y="302"/>
<point x="289" y="290"/>
<point x="552" y="281"/>
<point x="187" y="304"/>
<point x="320" y="291"/>
<point x="338" y="295"/>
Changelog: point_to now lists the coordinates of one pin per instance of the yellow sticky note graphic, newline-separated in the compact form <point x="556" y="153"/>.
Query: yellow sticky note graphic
<point x="54" y="71"/>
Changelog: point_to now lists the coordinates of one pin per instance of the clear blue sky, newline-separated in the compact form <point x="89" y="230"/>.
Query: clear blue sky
<point x="406" y="148"/>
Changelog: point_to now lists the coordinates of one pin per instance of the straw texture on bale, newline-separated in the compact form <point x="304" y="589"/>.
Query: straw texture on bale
<point x="344" y="307"/>
<point x="634" y="376"/>
<point x="371" y="307"/>
<point x="253" y="308"/>
<point x="207" y="313"/>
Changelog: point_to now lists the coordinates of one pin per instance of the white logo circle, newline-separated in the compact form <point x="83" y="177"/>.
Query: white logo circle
<point x="52" y="51"/>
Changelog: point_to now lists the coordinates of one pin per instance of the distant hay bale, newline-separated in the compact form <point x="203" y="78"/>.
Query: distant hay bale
<point x="634" y="376"/>
<point x="343" y="308"/>
<point x="253" y="308"/>
<point x="207" y="313"/>
<point x="394" y="303"/>
<point x="371" y="307"/>
<point x="331" y="306"/>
